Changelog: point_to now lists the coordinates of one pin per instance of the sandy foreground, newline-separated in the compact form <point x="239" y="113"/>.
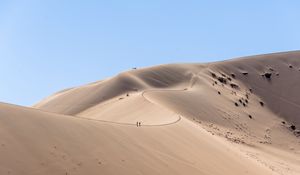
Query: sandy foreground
<point x="240" y="116"/>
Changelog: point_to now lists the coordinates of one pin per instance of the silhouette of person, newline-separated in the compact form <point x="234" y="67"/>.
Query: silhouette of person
<point x="139" y="123"/>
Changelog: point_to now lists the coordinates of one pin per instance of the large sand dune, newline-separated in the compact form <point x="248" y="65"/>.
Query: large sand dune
<point x="239" y="116"/>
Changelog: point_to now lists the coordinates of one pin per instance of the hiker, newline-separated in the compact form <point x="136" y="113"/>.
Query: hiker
<point x="139" y="123"/>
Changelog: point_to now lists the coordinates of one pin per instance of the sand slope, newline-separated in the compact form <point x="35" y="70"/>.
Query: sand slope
<point x="232" y="117"/>
<point x="43" y="143"/>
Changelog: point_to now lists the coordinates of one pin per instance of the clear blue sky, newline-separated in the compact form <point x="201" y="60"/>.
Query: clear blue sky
<point x="46" y="46"/>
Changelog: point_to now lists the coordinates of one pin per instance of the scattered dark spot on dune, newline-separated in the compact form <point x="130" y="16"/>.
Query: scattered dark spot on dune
<point x="236" y="104"/>
<point x="247" y="96"/>
<point x="244" y="104"/>
<point x="277" y="74"/>
<point x="245" y="73"/>
<point x="290" y="66"/>
<point x="216" y="82"/>
<point x="250" y="90"/>
<point x="268" y="75"/>
<point x="233" y="75"/>
<point x="222" y="80"/>
<point x="223" y="75"/>
<point x="250" y="116"/>
<point x="219" y="92"/>
<point x="127" y="95"/>
<point x="261" y="103"/>
<point x="213" y="75"/>
<point x="185" y="89"/>
<point x="283" y="122"/>
<point x="246" y="101"/>
<point x="120" y="98"/>
<point x="228" y="78"/>
<point x="293" y="127"/>
<point x="235" y="86"/>
<point x="271" y="69"/>
<point x="240" y="101"/>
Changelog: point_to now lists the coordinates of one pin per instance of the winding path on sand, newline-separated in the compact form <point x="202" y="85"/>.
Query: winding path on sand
<point x="130" y="124"/>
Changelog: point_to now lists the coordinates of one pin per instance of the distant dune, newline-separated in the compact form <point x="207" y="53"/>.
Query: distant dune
<point x="240" y="116"/>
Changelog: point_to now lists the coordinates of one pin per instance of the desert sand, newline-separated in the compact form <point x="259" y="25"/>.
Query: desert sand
<point x="234" y="117"/>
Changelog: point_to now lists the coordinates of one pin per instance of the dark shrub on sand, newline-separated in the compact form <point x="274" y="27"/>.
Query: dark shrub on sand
<point x="222" y="80"/>
<point x="261" y="103"/>
<point x="213" y="75"/>
<point x="268" y="75"/>
<point x="234" y="86"/>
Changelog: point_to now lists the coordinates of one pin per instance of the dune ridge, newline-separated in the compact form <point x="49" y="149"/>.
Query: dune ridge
<point x="238" y="116"/>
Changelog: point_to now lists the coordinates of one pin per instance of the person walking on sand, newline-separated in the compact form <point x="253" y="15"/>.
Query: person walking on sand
<point x="139" y="123"/>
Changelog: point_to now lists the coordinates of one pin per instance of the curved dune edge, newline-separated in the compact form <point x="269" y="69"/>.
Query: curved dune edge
<point x="167" y="118"/>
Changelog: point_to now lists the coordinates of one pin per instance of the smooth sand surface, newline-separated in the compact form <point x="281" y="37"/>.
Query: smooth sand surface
<point x="239" y="116"/>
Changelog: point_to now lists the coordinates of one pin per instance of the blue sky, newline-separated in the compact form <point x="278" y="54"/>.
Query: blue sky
<point x="46" y="46"/>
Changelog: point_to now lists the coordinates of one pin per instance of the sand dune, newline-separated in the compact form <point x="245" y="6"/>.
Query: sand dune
<point x="239" y="116"/>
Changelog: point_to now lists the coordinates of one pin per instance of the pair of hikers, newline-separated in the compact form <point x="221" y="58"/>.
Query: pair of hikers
<point x="138" y="124"/>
